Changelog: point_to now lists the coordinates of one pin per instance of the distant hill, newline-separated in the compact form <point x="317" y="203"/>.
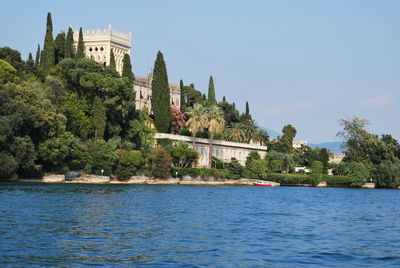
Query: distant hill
<point x="272" y="133"/>
<point x="333" y="146"/>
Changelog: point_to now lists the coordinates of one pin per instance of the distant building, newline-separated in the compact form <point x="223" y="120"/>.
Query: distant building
<point x="99" y="43"/>
<point x="142" y="87"/>
<point x="298" y="143"/>
<point x="336" y="158"/>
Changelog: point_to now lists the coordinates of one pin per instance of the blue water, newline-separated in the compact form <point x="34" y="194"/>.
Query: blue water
<point x="220" y="226"/>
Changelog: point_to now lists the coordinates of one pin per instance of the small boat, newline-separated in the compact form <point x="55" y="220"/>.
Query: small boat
<point x="262" y="183"/>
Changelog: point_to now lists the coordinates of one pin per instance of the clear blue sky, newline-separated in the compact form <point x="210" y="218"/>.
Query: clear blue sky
<point x="305" y="63"/>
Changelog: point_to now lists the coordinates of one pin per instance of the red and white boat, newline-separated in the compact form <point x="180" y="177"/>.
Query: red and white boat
<point x="262" y="183"/>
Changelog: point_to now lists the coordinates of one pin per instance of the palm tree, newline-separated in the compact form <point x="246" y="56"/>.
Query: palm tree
<point x="197" y="120"/>
<point x="249" y="127"/>
<point x="235" y="132"/>
<point x="215" y="123"/>
<point x="261" y="136"/>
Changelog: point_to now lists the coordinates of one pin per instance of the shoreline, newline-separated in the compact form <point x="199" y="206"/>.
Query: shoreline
<point x="186" y="180"/>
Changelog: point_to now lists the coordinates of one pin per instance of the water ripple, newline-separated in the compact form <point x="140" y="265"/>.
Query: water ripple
<point x="197" y="226"/>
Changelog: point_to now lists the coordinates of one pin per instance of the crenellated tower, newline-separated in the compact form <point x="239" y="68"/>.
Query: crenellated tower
<point x="98" y="45"/>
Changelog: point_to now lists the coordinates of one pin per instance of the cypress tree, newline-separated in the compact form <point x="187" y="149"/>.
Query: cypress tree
<point x="69" y="42"/>
<point x="127" y="68"/>
<point x="234" y="106"/>
<point x="160" y="101"/>
<point x="247" y="109"/>
<point x="223" y="99"/>
<point x="183" y="104"/>
<point x="30" y="64"/>
<point x="204" y="97"/>
<point x="41" y="60"/>
<point x="99" y="118"/>
<point x="192" y="85"/>
<point x="49" y="47"/>
<point x="37" y="58"/>
<point x="80" y="53"/>
<point x="60" y="46"/>
<point x="112" y="59"/>
<point x="211" y="92"/>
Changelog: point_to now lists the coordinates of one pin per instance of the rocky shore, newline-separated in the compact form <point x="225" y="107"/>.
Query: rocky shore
<point x="186" y="180"/>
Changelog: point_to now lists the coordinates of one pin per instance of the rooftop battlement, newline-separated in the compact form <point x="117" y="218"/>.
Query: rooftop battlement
<point x="106" y="31"/>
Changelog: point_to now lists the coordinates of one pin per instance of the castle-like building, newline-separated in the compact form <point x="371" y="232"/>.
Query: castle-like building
<point x="98" y="45"/>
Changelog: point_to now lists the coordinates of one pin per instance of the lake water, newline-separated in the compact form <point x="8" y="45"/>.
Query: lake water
<point x="221" y="226"/>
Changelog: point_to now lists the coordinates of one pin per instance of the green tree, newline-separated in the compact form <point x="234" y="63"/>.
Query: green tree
<point x="183" y="100"/>
<point x="80" y="53"/>
<point x="215" y="124"/>
<point x="197" y="121"/>
<point x="76" y="109"/>
<point x="141" y="132"/>
<point x="285" y="142"/>
<point x="235" y="132"/>
<point x="8" y="165"/>
<point x="128" y="163"/>
<point x="358" y="172"/>
<point x="162" y="161"/>
<point x="55" y="91"/>
<point x="101" y="155"/>
<point x="317" y="167"/>
<point x="253" y="155"/>
<point x="357" y="141"/>
<point x="60" y="47"/>
<point x="256" y="169"/>
<point x="127" y="68"/>
<point x="211" y="92"/>
<point x="231" y="115"/>
<point x="69" y="42"/>
<point x="99" y="118"/>
<point x="30" y="64"/>
<point x="112" y="59"/>
<point x="260" y="136"/>
<point x="160" y="101"/>
<point x="247" y="109"/>
<point x="7" y="72"/>
<point x="61" y="153"/>
<point x="182" y="155"/>
<point x="37" y="58"/>
<point x="49" y="50"/>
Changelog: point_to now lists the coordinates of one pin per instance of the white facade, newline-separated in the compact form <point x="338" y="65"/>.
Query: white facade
<point x="99" y="43"/>
<point x="142" y="87"/>
<point x="298" y="143"/>
<point x="224" y="150"/>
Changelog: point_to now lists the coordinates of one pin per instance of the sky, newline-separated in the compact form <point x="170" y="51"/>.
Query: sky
<point x="305" y="63"/>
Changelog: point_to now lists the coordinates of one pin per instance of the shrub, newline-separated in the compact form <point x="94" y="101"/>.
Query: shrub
<point x="214" y="173"/>
<point x="128" y="163"/>
<point x="339" y="180"/>
<point x="358" y="172"/>
<point x="180" y="172"/>
<point x="162" y="161"/>
<point x="290" y="178"/>
<point x="235" y="168"/>
<point x="317" y="167"/>
<point x="276" y="166"/>
<point x="256" y="169"/>
<point x="185" y="132"/>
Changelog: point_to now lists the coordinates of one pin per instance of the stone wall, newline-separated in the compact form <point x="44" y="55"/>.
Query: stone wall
<point x="224" y="150"/>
